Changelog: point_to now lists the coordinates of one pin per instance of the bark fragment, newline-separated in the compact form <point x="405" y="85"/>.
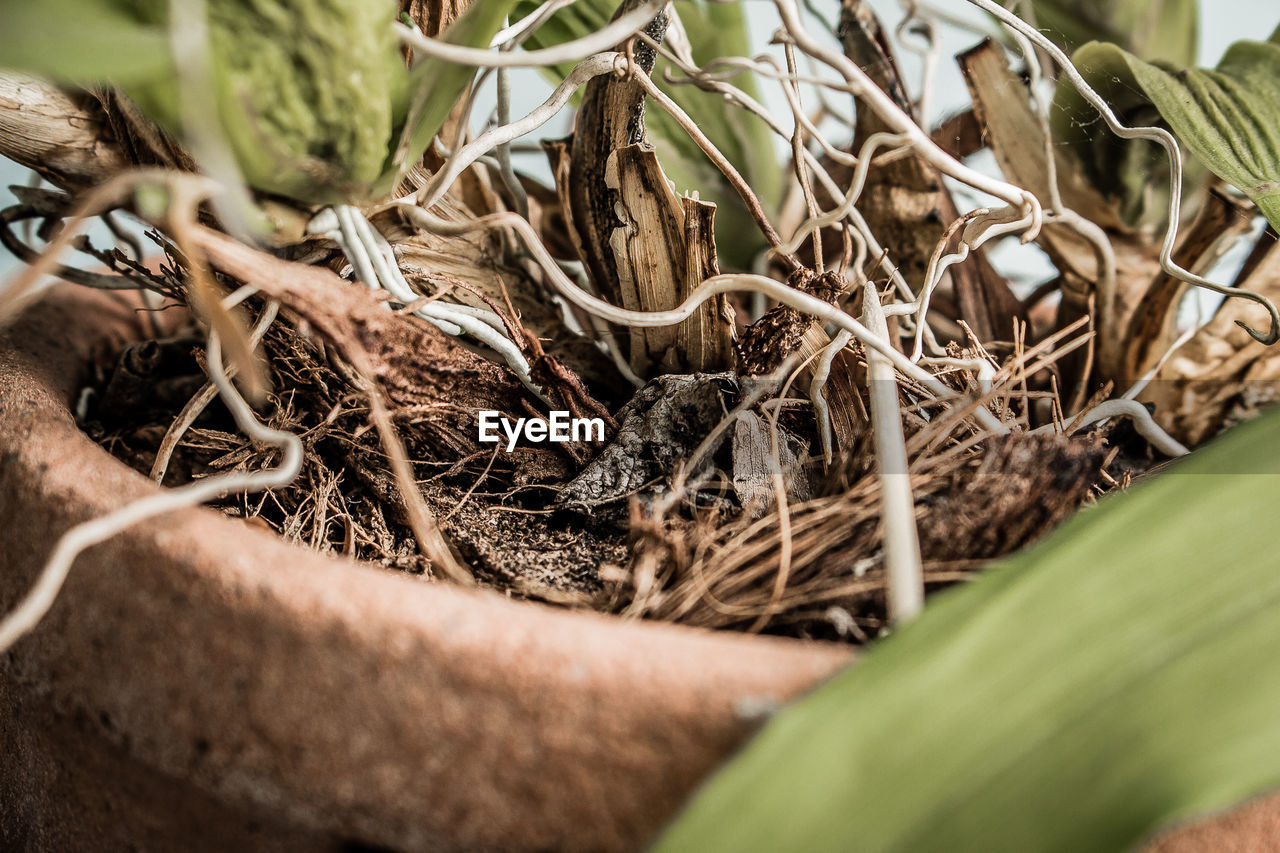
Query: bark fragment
<point x="658" y="429"/>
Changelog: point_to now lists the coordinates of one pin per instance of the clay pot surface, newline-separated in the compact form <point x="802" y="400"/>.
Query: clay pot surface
<point x="201" y="684"/>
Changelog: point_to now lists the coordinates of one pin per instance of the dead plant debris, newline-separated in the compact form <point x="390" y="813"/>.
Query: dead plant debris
<point x="608" y="535"/>
<point x="739" y="485"/>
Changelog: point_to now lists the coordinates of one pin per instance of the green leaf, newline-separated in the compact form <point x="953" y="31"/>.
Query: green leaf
<point x="80" y="41"/>
<point x="304" y="92"/>
<point x="310" y="94"/>
<point x="299" y="92"/>
<point x="436" y="84"/>
<point x="1228" y="117"/>
<point x="715" y="30"/>
<point x="1152" y="29"/>
<point x="1120" y="676"/>
<point x="720" y="30"/>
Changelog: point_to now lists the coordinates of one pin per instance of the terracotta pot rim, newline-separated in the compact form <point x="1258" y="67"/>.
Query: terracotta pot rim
<point x="96" y="502"/>
<point x="357" y="629"/>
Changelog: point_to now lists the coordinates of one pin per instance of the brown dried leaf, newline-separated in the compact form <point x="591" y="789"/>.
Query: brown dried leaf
<point x="649" y="273"/>
<point x="960" y="135"/>
<point x="1222" y="374"/>
<point x="433" y="16"/>
<point x="63" y="136"/>
<point x="652" y="250"/>
<point x="611" y="117"/>
<point x="705" y="340"/>
<point x="1017" y="138"/>
<point x="756" y="467"/>
<point x="1002" y="108"/>
<point x="904" y="200"/>
<point x="1152" y="327"/>
<point x="845" y="406"/>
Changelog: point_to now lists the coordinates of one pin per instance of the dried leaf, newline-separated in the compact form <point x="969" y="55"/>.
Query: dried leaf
<point x="1152" y="326"/>
<point x="658" y="428"/>
<point x="704" y="341"/>
<point x="904" y="201"/>
<point x="1222" y="373"/>
<point x="59" y="134"/>
<point x="755" y="466"/>
<point x="714" y="30"/>
<point x="1016" y="136"/>
<point x="1002" y="108"/>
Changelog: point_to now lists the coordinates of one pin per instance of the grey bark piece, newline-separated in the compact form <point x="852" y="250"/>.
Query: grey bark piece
<point x="661" y="425"/>
<point x="754" y="464"/>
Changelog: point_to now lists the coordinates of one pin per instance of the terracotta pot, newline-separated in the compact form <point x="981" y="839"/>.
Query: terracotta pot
<point x="202" y="684"/>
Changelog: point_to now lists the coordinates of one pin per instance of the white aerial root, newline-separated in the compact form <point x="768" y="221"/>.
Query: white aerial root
<point x="821" y="411"/>
<point x="1136" y="412"/>
<point x="797" y="157"/>
<point x="375" y="264"/>
<point x="847" y="210"/>
<point x="571" y="51"/>
<point x="721" y="162"/>
<point x="929" y="54"/>
<point x="903" y="571"/>
<point x="506" y="170"/>
<point x="1022" y="212"/>
<point x="1143" y="381"/>
<point x="900" y="122"/>
<point x="1103" y="250"/>
<point x="842" y="210"/>
<point x="1153" y="134"/>
<point x="524" y="27"/>
<point x="994" y="223"/>
<point x="18" y="289"/>
<point x="982" y="369"/>
<point x="32" y="608"/>
<point x="462" y="159"/>
<point x="1057" y="211"/>
<point x="867" y="242"/>
<point x="726" y="283"/>
<point x="201" y="400"/>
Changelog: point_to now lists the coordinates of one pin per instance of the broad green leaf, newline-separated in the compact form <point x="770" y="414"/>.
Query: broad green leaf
<point x="1228" y="117"/>
<point x="715" y="30"/>
<point x="1165" y="30"/>
<point x="1118" y="677"/>
<point x="1134" y="173"/>
<point x="80" y="41"/>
